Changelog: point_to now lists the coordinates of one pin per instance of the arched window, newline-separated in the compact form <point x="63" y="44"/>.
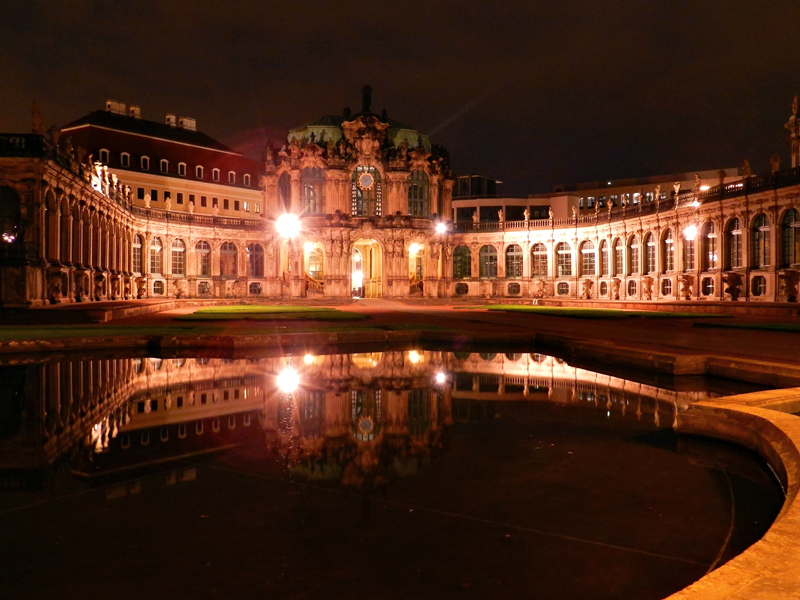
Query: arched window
<point x="312" y="182"/>
<point x="246" y="179"/>
<point x="104" y="156"/>
<point x="619" y="266"/>
<point x="564" y="259"/>
<point x="202" y="251"/>
<point x="182" y="169"/>
<point x="588" y="259"/>
<point x="125" y="159"/>
<point x="733" y="245"/>
<point x="688" y="254"/>
<point x="513" y="261"/>
<point x="231" y="176"/>
<point x="605" y="264"/>
<point x="761" y="241"/>
<point x="633" y="256"/>
<point x="178" y="257"/>
<point x="539" y="260"/>
<point x="488" y="262"/>
<point x="649" y="254"/>
<point x="156" y="255"/>
<point x="145" y="163"/>
<point x="708" y="253"/>
<point x="285" y="192"/>
<point x="418" y="204"/>
<point x="198" y="172"/>
<point x="668" y="251"/>
<point x="137" y="254"/>
<point x="366" y="192"/>
<point x="215" y="174"/>
<point x="164" y="165"/>
<point x="316" y="264"/>
<point x="462" y="263"/>
<point x="791" y="240"/>
<point x="255" y="260"/>
<point x="227" y="260"/>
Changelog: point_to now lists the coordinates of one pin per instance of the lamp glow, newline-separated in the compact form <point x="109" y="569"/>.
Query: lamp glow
<point x="414" y="356"/>
<point x="690" y="232"/>
<point x="703" y="188"/>
<point x="308" y="359"/>
<point x="441" y="228"/>
<point x="288" y="380"/>
<point x="441" y="377"/>
<point x="288" y="225"/>
<point x="413" y="248"/>
<point x="308" y="246"/>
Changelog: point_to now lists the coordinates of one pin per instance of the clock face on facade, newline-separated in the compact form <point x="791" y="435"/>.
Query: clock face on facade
<point x="366" y="181"/>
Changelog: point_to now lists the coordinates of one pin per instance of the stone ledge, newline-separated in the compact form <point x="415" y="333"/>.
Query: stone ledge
<point x="768" y="569"/>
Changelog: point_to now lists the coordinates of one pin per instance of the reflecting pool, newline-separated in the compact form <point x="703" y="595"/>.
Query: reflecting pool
<point x="405" y="473"/>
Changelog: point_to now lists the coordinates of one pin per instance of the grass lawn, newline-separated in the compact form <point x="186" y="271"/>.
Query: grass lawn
<point x="595" y="313"/>
<point x="270" y="313"/>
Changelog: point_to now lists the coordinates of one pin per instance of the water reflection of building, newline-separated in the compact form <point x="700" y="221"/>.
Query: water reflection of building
<point x="359" y="419"/>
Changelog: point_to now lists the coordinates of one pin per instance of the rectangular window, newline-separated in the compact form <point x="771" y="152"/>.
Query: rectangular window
<point x="154" y="195"/>
<point x="191" y="198"/>
<point x="258" y="207"/>
<point x="235" y="205"/>
<point x="203" y="201"/>
<point x="167" y="196"/>
<point x="140" y="193"/>
<point x="214" y="202"/>
<point x="226" y="204"/>
<point x="246" y="206"/>
<point x="180" y="197"/>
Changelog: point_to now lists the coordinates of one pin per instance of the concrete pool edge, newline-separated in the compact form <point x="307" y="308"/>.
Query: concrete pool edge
<point x="759" y="421"/>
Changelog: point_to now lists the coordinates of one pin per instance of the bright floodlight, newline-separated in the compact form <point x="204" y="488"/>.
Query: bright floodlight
<point x="288" y="380"/>
<point x="414" y="356"/>
<point x="440" y="377"/>
<point x="441" y="227"/>
<point x="413" y="248"/>
<point x="308" y="359"/>
<point x="690" y="232"/>
<point x="288" y="226"/>
<point x="308" y="246"/>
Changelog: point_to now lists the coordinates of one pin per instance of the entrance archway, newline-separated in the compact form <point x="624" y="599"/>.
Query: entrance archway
<point x="366" y="269"/>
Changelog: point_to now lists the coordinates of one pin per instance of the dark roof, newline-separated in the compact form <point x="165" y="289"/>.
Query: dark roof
<point x="102" y="118"/>
<point x="337" y="120"/>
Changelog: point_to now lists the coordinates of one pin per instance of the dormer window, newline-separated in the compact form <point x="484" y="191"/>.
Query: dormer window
<point x="215" y="174"/>
<point x="246" y="179"/>
<point x="125" y="159"/>
<point x="164" y="165"/>
<point x="145" y="163"/>
<point x="231" y="177"/>
<point x="198" y="172"/>
<point x="182" y="169"/>
<point x="104" y="156"/>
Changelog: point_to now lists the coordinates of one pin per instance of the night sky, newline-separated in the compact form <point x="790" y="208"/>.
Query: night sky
<point x="532" y="93"/>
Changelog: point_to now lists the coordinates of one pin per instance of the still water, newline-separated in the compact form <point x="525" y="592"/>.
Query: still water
<point x="404" y="474"/>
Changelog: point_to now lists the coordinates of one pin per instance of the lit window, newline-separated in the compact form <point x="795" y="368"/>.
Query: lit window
<point x="257" y="207"/>
<point x="178" y="258"/>
<point x="246" y="206"/>
<point x="564" y="259"/>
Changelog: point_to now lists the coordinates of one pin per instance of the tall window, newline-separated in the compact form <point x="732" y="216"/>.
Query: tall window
<point x="791" y="239"/>
<point x="462" y="263"/>
<point x="709" y="247"/>
<point x="366" y="192"/>
<point x="588" y="259"/>
<point x="316" y="264"/>
<point x="564" y="259"/>
<point x="255" y="260"/>
<point x="649" y="254"/>
<point x="164" y="165"/>
<point x="178" y="257"/>
<point x="539" y="260"/>
<point x="312" y="182"/>
<point x="488" y="262"/>
<point x="137" y="254"/>
<point x="156" y="255"/>
<point x="733" y="241"/>
<point x="605" y="266"/>
<point x="688" y="254"/>
<point x="145" y="163"/>
<point x="203" y="252"/>
<point x="246" y="179"/>
<point x="761" y="241"/>
<point x="227" y="260"/>
<point x="513" y="261"/>
<point x="285" y="192"/>
<point x="182" y="169"/>
<point x="231" y="177"/>
<point x="418" y="204"/>
<point x="215" y="174"/>
<point x="618" y="257"/>
<point x="198" y="172"/>
<point x="125" y="159"/>
<point x="668" y="248"/>
<point x="633" y="256"/>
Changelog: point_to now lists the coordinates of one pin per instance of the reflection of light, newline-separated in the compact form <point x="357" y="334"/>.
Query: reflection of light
<point x="358" y="278"/>
<point x="695" y="204"/>
<point x="357" y="257"/>
<point x="441" y="228"/>
<point x="440" y="377"/>
<point x="9" y="237"/>
<point x="413" y="248"/>
<point x="703" y="188"/>
<point x="414" y="356"/>
<point x="690" y="232"/>
<point x="308" y="359"/>
<point x="288" y="380"/>
<point x="288" y="226"/>
<point x="308" y="246"/>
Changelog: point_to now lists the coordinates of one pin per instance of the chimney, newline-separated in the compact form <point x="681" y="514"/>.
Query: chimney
<point x="135" y="112"/>
<point x="187" y="123"/>
<point x="115" y="108"/>
<point x="171" y="119"/>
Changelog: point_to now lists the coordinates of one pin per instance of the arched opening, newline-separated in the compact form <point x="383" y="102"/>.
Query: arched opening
<point x="366" y="192"/>
<point x="366" y="268"/>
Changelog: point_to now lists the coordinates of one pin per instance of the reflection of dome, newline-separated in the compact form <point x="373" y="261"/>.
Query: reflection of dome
<point x="329" y="128"/>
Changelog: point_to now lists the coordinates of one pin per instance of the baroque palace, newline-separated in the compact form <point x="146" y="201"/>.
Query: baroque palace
<point x="113" y="206"/>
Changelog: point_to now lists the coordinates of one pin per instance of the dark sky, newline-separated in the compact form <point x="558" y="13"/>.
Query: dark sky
<point x="532" y="93"/>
